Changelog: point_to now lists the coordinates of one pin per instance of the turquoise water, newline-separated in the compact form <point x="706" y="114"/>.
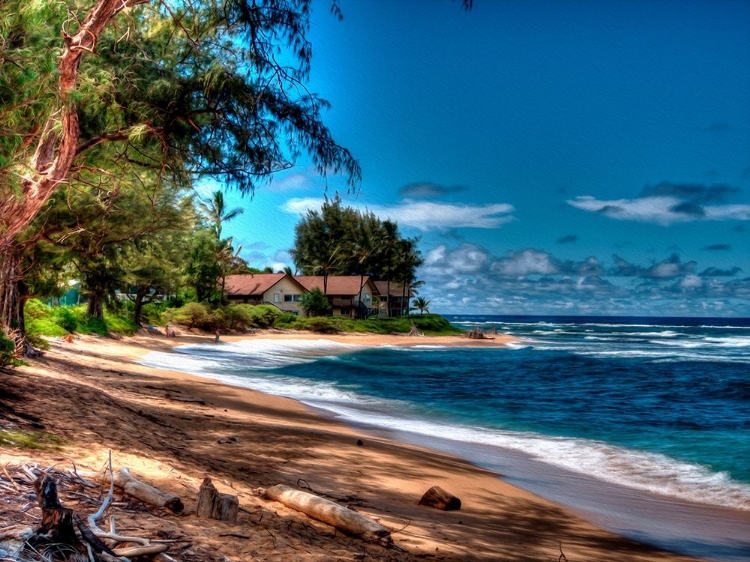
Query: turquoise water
<point x="657" y="407"/>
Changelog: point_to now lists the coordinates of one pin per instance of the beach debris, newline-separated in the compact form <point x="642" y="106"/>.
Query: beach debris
<point x="212" y="504"/>
<point x="62" y="533"/>
<point x="341" y="517"/>
<point x="477" y="334"/>
<point x="230" y="439"/>
<point x="438" y="498"/>
<point x="360" y="443"/>
<point x="146" y="493"/>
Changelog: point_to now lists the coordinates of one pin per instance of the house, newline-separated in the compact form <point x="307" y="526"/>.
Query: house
<point x="393" y="300"/>
<point x="343" y="292"/>
<point x="278" y="289"/>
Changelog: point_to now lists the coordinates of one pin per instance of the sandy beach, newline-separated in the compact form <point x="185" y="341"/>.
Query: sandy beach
<point x="172" y="430"/>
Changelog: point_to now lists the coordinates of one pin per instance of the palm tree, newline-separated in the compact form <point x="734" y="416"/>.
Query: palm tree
<point x="421" y="304"/>
<point x="215" y="211"/>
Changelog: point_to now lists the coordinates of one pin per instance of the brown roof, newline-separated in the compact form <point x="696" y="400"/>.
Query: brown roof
<point x="397" y="289"/>
<point x="253" y="284"/>
<point x="337" y="284"/>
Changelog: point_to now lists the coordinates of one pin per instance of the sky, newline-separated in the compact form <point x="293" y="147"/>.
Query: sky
<point x="554" y="157"/>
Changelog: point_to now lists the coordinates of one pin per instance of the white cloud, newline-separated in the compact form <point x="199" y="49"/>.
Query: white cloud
<point x="465" y="259"/>
<point x="660" y="210"/>
<point x="423" y="215"/>
<point x="527" y="262"/>
<point x="691" y="282"/>
<point x="296" y="181"/>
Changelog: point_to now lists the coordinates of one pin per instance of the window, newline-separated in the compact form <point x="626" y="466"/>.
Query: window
<point x="276" y="297"/>
<point x="292" y="298"/>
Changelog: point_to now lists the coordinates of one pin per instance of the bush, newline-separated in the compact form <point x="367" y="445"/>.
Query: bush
<point x="34" y="309"/>
<point x="193" y="314"/>
<point x="7" y="347"/>
<point x="65" y="318"/>
<point x="315" y="303"/>
<point x="263" y="315"/>
<point x="286" y="319"/>
<point x="322" y="325"/>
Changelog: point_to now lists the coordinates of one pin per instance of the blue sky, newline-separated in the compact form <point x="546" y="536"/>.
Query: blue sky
<point x="555" y="157"/>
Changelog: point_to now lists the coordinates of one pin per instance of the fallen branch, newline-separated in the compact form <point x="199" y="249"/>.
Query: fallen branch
<point x="329" y="512"/>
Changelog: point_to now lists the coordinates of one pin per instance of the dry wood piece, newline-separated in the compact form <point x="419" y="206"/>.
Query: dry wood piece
<point x="329" y="512"/>
<point x="440" y="499"/>
<point x="147" y="493"/>
<point x="212" y="504"/>
<point x="57" y="521"/>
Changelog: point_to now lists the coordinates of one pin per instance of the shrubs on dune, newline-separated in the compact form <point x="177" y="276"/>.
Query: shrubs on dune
<point x="42" y="320"/>
<point x="429" y="324"/>
<point x="235" y="317"/>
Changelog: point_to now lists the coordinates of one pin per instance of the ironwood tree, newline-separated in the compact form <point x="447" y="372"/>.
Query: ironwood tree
<point x="338" y="240"/>
<point x="122" y="88"/>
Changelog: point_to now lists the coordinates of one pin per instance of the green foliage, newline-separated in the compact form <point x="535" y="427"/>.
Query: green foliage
<point x="7" y="347"/>
<point x="286" y="319"/>
<point x="25" y="439"/>
<point x="193" y="315"/>
<point x="315" y="303"/>
<point x="118" y="324"/>
<point x="344" y="241"/>
<point x="41" y="320"/>
<point x="234" y="317"/>
<point x="65" y="318"/>
<point x="429" y="324"/>
<point x="36" y="309"/>
<point x="261" y="315"/>
<point x="421" y="304"/>
<point x="36" y="327"/>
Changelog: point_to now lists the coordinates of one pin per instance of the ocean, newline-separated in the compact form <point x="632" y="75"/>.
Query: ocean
<point x="640" y="424"/>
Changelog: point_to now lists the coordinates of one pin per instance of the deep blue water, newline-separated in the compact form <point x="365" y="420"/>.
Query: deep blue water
<point x="650" y="405"/>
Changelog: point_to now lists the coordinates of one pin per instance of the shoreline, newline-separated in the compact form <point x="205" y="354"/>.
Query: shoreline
<point x="282" y="441"/>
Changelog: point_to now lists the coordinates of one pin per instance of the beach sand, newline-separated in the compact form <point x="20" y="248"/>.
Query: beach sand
<point x="93" y="393"/>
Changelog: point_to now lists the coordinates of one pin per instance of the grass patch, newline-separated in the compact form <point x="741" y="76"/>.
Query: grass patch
<point x="429" y="324"/>
<point x="22" y="439"/>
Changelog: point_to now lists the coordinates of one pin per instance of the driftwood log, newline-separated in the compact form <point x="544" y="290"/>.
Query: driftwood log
<point x="146" y="493"/>
<point x="440" y="499"/>
<point x="212" y="504"/>
<point x="329" y="512"/>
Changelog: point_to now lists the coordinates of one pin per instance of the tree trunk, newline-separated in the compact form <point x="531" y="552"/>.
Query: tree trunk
<point x="13" y="295"/>
<point x="95" y="306"/>
<point x="139" y="296"/>
<point x="389" y="302"/>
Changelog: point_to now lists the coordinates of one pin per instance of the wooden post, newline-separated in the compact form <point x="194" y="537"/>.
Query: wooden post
<point x="212" y="504"/>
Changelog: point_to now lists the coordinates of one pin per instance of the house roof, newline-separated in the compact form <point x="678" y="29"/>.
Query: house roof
<point x="253" y="284"/>
<point x="348" y="285"/>
<point x="396" y="289"/>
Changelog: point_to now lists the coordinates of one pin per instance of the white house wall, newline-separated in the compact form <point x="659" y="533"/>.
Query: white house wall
<point x="284" y="288"/>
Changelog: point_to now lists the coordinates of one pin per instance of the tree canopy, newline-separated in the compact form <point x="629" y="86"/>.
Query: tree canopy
<point x="338" y="240"/>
